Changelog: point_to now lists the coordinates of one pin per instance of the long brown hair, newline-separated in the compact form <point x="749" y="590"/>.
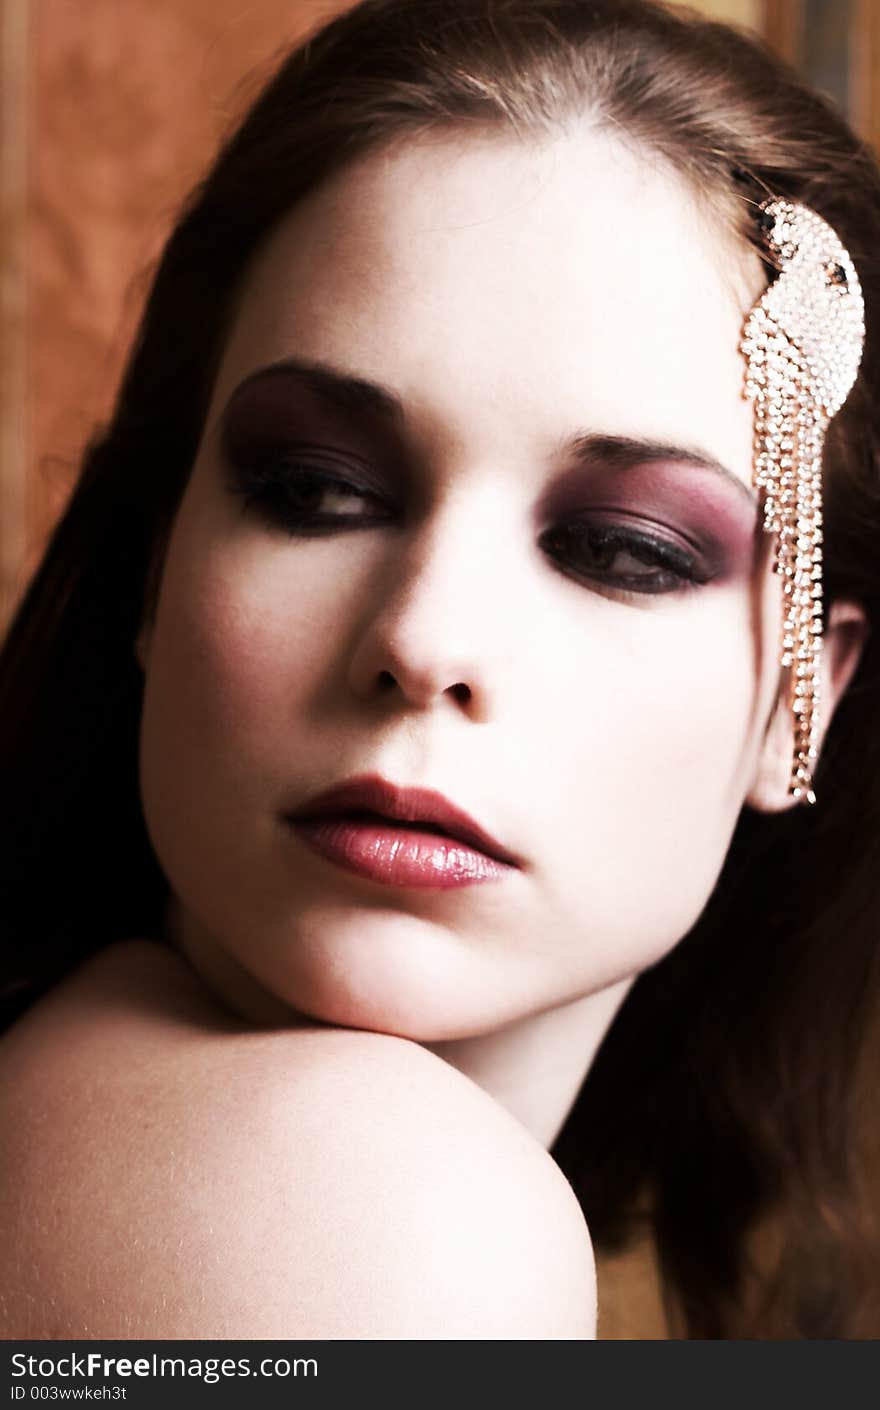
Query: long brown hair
<point x="725" y="1087"/>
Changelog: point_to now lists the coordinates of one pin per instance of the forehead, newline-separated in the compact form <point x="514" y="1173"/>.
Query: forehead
<point x="512" y="288"/>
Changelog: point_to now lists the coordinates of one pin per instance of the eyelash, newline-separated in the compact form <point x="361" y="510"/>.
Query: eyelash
<point x="270" y="488"/>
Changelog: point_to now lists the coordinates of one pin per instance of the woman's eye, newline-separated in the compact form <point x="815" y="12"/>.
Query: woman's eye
<point x="300" y="498"/>
<point x="621" y="558"/>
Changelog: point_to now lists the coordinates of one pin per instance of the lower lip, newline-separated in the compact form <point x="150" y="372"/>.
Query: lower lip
<point x="398" y="856"/>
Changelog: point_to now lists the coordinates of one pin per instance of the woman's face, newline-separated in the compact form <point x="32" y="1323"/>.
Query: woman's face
<point x="540" y="589"/>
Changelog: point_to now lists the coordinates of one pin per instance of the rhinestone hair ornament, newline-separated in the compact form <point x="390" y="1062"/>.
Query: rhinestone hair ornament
<point x="803" y="343"/>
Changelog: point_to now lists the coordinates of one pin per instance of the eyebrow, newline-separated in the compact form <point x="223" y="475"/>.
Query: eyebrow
<point x="348" y="394"/>
<point x="623" y="451"/>
<point x="342" y="391"/>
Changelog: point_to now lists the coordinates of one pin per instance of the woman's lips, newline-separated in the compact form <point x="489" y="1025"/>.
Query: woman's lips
<point x="400" y="835"/>
<point x="396" y="853"/>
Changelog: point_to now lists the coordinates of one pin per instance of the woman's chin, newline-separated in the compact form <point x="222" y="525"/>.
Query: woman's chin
<point x="411" y="1010"/>
<point x="395" y="976"/>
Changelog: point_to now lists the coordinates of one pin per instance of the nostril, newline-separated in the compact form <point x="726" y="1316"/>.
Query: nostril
<point x="387" y="681"/>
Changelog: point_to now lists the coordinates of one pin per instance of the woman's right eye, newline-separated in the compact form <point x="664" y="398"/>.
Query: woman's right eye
<point x="302" y="499"/>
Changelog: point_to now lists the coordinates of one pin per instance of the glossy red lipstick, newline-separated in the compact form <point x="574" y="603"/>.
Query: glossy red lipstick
<point x="409" y="837"/>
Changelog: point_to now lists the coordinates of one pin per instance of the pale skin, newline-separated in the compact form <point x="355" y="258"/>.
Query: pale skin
<point x="511" y="296"/>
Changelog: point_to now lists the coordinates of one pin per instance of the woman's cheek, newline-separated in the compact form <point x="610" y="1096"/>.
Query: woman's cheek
<point x="659" y="772"/>
<point x="235" y="639"/>
<point x="680" y="679"/>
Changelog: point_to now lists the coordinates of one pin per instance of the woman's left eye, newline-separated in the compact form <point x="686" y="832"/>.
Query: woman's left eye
<point x="618" y="557"/>
<point x="303" y="499"/>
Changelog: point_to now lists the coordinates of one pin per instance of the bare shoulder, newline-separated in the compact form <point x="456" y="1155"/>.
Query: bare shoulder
<point x="170" y="1172"/>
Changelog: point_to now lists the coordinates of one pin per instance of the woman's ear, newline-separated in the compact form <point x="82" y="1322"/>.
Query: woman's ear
<point x="844" y="637"/>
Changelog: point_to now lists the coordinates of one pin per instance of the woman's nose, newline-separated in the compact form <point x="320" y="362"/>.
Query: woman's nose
<point x="430" y="631"/>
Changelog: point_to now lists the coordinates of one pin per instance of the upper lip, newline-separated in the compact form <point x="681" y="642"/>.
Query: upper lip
<point x="413" y="805"/>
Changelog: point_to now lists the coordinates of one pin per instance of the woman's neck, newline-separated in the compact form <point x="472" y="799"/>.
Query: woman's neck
<point x="534" y="1068"/>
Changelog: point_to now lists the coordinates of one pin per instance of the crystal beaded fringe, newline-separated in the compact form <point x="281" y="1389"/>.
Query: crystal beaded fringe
<point x="803" y="342"/>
